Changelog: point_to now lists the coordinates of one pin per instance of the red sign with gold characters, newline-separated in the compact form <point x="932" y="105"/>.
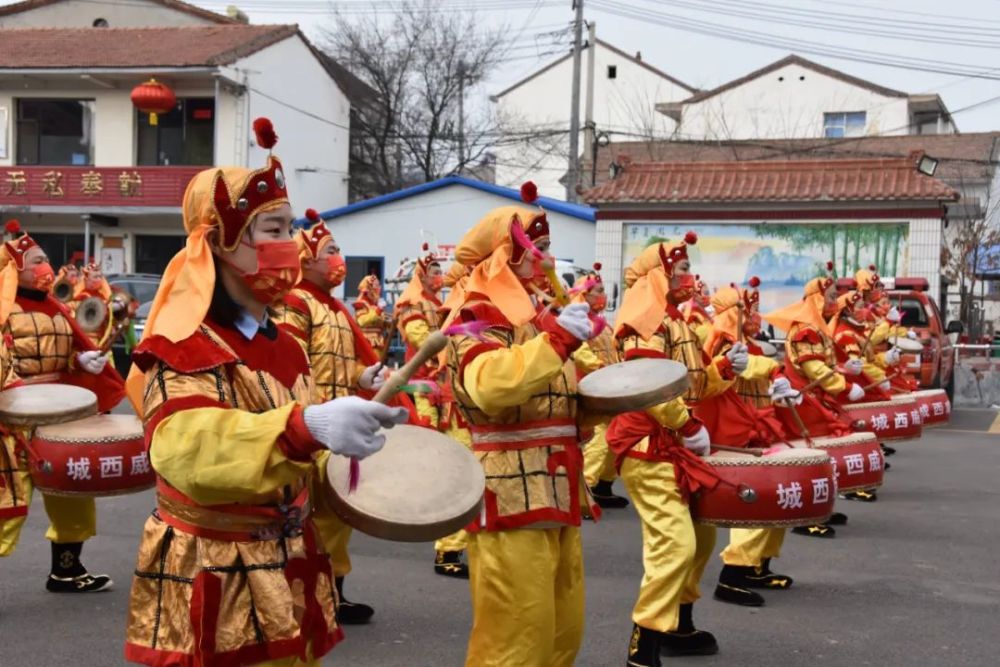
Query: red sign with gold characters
<point x="94" y="186"/>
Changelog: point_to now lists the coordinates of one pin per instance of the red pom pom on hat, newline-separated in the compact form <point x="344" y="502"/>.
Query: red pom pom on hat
<point x="829" y="266"/>
<point x="529" y="192"/>
<point x="425" y="247"/>
<point x="312" y="215"/>
<point x="264" y="131"/>
<point x="13" y="226"/>
<point x="754" y="282"/>
<point x="871" y="267"/>
<point x="597" y="266"/>
<point x="690" y="238"/>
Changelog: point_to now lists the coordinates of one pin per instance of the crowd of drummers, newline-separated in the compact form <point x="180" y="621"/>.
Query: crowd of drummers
<point x="251" y="378"/>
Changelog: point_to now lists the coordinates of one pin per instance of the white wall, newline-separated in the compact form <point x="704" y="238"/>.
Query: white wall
<point x="302" y="91"/>
<point x="398" y="229"/>
<point x="770" y="108"/>
<point x="83" y="13"/>
<point x="624" y="105"/>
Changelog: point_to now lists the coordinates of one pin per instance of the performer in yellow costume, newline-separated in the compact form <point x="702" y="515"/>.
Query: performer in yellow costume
<point x="337" y="351"/>
<point x="699" y="311"/>
<point x="416" y="316"/>
<point x="93" y="285"/>
<point x="231" y="569"/>
<point x="658" y="453"/>
<point x="369" y="314"/>
<point x="448" y="550"/>
<point x="598" y="461"/>
<point x="515" y="384"/>
<point x="45" y="343"/>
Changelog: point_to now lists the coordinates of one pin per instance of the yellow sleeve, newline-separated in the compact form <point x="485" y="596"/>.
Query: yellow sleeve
<point x="715" y="384"/>
<point x="503" y="378"/>
<point x="873" y="371"/>
<point x="759" y="368"/>
<point x="701" y="331"/>
<point x="880" y="333"/>
<point x="368" y="318"/>
<point x="815" y="369"/>
<point x="416" y="332"/>
<point x="224" y="455"/>
<point x="672" y="414"/>
<point x="586" y="360"/>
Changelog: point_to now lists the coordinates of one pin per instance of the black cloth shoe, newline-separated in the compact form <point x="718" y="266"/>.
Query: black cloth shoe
<point x="68" y="575"/>
<point x="817" y="530"/>
<point x="861" y="496"/>
<point x="762" y="577"/>
<point x="449" y="564"/>
<point x="887" y="450"/>
<point x="643" y="648"/>
<point x="605" y="497"/>
<point x="686" y="640"/>
<point x="734" y="587"/>
<point x="837" y="519"/>
<point x="351" y="613"/>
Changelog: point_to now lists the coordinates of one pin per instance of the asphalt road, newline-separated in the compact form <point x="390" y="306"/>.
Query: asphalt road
<point x="911" y="580"/>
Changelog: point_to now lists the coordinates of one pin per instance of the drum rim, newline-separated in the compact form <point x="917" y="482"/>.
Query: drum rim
<point x="750" y="460"/>
<point x="93" y="494"/>
<point x="757" y="523"/>
<point x="880" y="404"/>
<point x="873" y="437"/>
<point x="90" y="441"/>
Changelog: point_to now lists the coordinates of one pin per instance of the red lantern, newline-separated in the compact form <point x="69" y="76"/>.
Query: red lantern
<point x="154" y="98"/>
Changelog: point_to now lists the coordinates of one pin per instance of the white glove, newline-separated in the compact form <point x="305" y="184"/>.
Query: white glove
<point x="699" y="443"/>
<point x="854" y="366"/>
<point x="781" y="391"/>
<point x="885" y="386"/>
<point x="573" y="319"/>
<point x="349" y="425"/>
<point x="372" y="377"/>
<point x="93" y="361"/>
<point x="894" y="315"/>
<point x="912" y="335"/>
<point x="710" y="309"/>
<point x="856" y="393"/>
<point x="892" y="356"/>
<point x="738" y="357"/>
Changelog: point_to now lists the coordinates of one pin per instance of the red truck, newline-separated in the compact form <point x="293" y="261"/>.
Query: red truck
<point x="934" y="368"/>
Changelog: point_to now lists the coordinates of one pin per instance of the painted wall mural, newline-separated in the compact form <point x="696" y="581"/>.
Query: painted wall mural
<point x="784" y="256"/>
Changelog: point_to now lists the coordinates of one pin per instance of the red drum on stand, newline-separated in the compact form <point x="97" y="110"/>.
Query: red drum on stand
<point x="932" y="404"/>
<point x="103" y="455"/>
<point x="858" y="458"/>
<point x="897" y="419"/>
<point x="791" y="487"/>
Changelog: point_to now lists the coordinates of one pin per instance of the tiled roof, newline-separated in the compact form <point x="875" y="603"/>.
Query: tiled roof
<point x="888" y="179"/>
<point x="178" y="5"/>
<point x="185" y="46"/>
<point x="965" y="158"/>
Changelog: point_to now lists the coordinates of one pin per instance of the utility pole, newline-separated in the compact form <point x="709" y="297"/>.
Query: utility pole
<point x="588" y="124"/>
<point x="574" y="116"/>
<point x="461" y="116"/>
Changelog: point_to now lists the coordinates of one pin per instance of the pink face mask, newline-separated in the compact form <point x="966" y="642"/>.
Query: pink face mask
<point x="277" y="271"/>
<point x="599" y="303"/>
<point x="683" y="291"/>
<point x="43" y="277"/>
<point x="336" y="269"/>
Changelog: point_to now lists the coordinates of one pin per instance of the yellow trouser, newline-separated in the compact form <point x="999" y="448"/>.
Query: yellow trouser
<point x="598" y="460"/>
<point x="293" y="661"/>
<point x="71" y="519"/>
<point x="460" y="540"/>
<point x="335" y="535"/>
<point x="675" y="549"/>
<point x="749" y="547"/>
<point x="527" y="597"/>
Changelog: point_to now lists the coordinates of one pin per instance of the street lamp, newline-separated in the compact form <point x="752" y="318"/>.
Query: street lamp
<point x="602" y="140"/>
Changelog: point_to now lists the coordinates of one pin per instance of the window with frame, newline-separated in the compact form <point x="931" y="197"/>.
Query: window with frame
<point x="55" y="131"/>
<point x="358" y="268"/>
<point x="183" y="136"/>
<point x="844" y="124"/>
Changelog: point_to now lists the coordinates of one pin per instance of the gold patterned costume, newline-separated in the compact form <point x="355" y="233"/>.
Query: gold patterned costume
<point x="370" y="316"/>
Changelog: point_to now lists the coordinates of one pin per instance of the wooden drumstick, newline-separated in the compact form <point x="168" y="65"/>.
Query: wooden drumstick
<point x="790" y="404"/>
<point x="430" y="349"/>
<point x="739" y="324"/>
<point x="875" y="384"/>
<point x="752" y="451"/>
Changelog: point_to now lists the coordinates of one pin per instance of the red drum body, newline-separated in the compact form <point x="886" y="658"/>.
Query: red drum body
<point x="933" y="405"/>
<point x="889" y="420"/>
<point x="98" y="456"/>
<point x="792" y="487"/>
<point x="857" y="457"/>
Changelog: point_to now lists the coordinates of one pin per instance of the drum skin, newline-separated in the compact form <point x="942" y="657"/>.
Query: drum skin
<point x="898" y="419"/>
<point x="103" y="455"/>
<point x="792" y="487"/>
<point x="420" y="487"/>
<point x="636" y="384"/>
<point x="43" y="403"/>
<point x="857" y="457"/>
<point x="933" y="405"/>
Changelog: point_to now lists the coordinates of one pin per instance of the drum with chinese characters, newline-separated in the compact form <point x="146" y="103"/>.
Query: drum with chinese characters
<point x="789" y="487"/>
<point x="636" y="384"/>
<point x="104" y="455"/>
<point x="41" y="404"/>
<point x="897" y="419"/>
<point x="421" y="486"/>
<point x="932" y="404"/>
<point x="857" y="457"/>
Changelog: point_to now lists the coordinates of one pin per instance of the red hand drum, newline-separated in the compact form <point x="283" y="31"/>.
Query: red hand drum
<point x="103" y="455"/>
<point x="791" y="487"/>
<point x="932" y="404"/>
<point x="888" y="420"/>
<point x="858" y="458"/>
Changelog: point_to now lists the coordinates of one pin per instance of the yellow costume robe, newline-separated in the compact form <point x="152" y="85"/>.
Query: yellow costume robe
<point x="230" y="569"/>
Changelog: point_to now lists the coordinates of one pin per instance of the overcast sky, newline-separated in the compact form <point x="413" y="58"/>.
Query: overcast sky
<point x="956" y="36"/>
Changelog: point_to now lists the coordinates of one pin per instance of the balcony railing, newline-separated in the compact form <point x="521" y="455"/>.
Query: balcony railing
<point x="94" y="186"/>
